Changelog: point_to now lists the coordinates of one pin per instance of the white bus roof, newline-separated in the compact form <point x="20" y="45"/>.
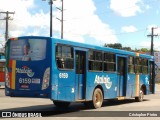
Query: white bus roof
<point x="2" y="60"/>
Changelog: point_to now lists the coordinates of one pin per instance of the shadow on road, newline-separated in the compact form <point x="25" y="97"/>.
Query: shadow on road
<point x="119" y="102"/>
<point x="74" y="110"/>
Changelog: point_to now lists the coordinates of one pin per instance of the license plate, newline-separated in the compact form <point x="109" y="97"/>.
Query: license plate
<point x="24" y="86"/>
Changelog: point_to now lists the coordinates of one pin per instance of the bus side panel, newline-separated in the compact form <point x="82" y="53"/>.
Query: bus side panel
<point x="65" y="93"/>
<point x="63" y="86"/>
<point x="54" y="83"/>
<point x="63" y="80"/>
<point x="131" y="85"/>
<point x="111" y="86"/>
<point x="108" y="81"/>
<point x="54" y="73"/>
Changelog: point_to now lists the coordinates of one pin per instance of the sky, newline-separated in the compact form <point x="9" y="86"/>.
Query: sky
<point x="93" y="22"/>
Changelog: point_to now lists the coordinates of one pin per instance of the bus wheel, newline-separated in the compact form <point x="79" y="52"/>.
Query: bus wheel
<point x="61" y="104"/>
<point x="97" y="98"/>
<point x="140" y="97"/>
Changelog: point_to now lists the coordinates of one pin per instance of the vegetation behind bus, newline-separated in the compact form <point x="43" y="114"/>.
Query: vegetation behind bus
<point x="120" y="46"/>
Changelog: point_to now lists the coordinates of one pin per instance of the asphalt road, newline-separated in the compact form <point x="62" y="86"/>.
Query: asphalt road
<point x="112" y="109"/>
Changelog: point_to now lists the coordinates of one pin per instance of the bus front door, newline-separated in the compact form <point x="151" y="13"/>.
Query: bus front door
<point x="80" y="74"/>
<point x="122" y="74"/>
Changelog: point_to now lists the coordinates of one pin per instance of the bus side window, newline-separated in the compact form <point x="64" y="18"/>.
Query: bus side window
<point x="95" y="60"/>
<point x="138" y="66"/>
<point x="64" y="57"/>
<point x="145" y="66"/>
<point x="60" y="63"/>
<point x="131" y="68"/>
<point x="109" y="62"/>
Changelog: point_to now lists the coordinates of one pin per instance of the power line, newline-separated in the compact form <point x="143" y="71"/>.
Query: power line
<point x="7" y="18"/>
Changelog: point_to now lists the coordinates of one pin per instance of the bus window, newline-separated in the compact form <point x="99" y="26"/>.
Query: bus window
<point x="138" y="67"/>
<point x="145" y="66"/>
<point x="90" y="55"/>
<point x="95" y="60"/>
<point x="58" y="51"/>
<point x="98" y="56"/>
<point x="28" y="49"/>
<point x="64" y="57"/>
<point x="131" y="65"/>
<point x="109" y="62"/>
<point x="121" y="66"/>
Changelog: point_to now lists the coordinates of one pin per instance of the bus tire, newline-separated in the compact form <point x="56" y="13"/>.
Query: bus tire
<point x="61" y="104"/>
<point x="97" y="98"/>
<point x="140" y="97"/>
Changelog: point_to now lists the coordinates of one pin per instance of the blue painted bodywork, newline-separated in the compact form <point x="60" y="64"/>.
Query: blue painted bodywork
<point x="70" y="88"/>
<point x="131" y="84"/>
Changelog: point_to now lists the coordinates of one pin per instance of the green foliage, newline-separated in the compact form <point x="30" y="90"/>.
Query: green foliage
<point x="116" y="45"/>
<point x="1" y="54"/>
<point x="127" y="48"/>
<point x="119" y="46"/>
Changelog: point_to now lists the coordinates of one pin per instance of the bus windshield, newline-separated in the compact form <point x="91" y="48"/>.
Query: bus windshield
<point x="28" y="49"/>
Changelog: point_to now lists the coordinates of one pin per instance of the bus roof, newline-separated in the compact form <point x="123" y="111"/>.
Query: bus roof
<point x="2" y="60"/>
<point x="101" y="48"/>
<point x="88" y="46"/>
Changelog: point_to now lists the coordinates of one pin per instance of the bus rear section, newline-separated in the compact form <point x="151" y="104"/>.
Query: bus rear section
<point x="28" y="67"/>
<point x="2" y="71"/>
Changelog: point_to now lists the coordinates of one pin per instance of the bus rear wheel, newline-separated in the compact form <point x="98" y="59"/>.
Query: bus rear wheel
<point x="61" y="104"/>
<point x="140" y="97"/>
<point x="97" y="98"/>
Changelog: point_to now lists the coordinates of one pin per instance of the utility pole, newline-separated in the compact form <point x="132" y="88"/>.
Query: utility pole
<point x="152" y="36"/>
<point x="61" y="20"/>
<point x="50" y="3"/>
<point x="7" y="18"/>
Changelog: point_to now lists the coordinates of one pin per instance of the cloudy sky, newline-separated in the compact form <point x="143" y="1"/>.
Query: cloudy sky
<point x="89" y="21"/>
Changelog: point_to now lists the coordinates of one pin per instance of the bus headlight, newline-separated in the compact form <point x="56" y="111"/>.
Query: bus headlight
<point x="7" y="80"/>
<point x="46" y="79"/>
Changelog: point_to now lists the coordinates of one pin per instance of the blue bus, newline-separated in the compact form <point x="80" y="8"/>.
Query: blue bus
<point x="65" y="71"/>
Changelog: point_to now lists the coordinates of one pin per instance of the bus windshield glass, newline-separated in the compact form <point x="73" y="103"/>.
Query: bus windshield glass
<point x="28" y="49"/>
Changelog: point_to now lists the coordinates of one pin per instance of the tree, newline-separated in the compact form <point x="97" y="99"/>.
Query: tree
<point x="116" y="45"/>
<point x="119" y="46"/>
<point x="127" y="48"/>
<point x="144" y="50"/>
